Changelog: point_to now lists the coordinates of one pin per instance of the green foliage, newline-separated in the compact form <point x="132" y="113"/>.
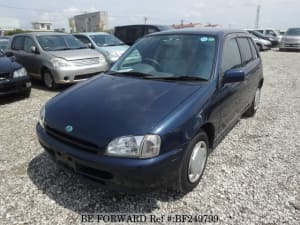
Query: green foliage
<point x="16" y="31"/>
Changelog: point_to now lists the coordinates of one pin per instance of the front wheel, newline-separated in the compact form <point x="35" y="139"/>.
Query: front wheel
<point x="49" y="80"/>
<point x="254" y="105"/>
<point x="193" y="164"/>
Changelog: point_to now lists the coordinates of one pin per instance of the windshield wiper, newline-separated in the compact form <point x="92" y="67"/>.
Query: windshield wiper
<point x="181" y="78"/>
<point x="130" y="73"/>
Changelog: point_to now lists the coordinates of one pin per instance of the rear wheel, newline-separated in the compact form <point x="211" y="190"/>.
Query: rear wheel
<point x="49" y="80"/>
<point x="254" y="105"/>
<point x="193" y="164"/>
<point x="26" y="93"/>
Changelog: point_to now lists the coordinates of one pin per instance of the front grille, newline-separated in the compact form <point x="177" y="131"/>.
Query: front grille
<point x="85" y="76"/>
<point x="4" y="76"/>
<point x="72" y="141"/>
<point x="85" y="62"/>
<point x="292" y="45"/>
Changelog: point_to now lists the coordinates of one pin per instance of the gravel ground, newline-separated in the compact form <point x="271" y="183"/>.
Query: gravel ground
<point x="253" y="176"/>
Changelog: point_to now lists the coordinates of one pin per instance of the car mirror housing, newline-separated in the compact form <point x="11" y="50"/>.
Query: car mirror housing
<point x="9" y="54"/>
<point x="234" y="75"/>
<point x="33" y="49"/>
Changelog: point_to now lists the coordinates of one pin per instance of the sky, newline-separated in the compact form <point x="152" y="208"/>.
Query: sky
<point x="279" y="14"/>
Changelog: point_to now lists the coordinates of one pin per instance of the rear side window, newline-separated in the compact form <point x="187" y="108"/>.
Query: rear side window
<point x="245" y="50"/>
<point x="231" y="55"/>
<point x="18" y="43"/>
<point x="83" y="39"/>
<point x="253" y="49"/>
<point x="151" y="30"/>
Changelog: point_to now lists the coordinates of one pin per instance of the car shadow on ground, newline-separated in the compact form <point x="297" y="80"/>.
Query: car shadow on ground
<point x="8" y="99"/>
<point x="38" y="84"/>
<point x="74" y="193"/>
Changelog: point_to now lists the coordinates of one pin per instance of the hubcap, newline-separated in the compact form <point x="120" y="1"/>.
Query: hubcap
<point x="197" y="161"/>
<point x="257" y="99"/>
<point x="48" y="80"/>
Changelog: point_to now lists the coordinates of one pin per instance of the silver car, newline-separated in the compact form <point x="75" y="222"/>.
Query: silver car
<point x="109" y="45"/>
<point x="261" y="44"/>
<point x="290" y="40"/>
<point x="56" y="58"/>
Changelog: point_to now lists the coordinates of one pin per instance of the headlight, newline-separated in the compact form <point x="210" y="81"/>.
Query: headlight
<point x="42" y="117"/>
<point x="59" y="63"/>
<point x="20" y="73"/>
<point x="113" y="56"/>
<point x="102" y="59"/>
<point x="135" y="146"/>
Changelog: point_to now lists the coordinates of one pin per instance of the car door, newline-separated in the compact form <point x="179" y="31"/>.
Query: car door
<point x="251" y="66"/>
<point x="229" y="94"/>
<point x="31" y="60"/>
<point x="16" y="48"/>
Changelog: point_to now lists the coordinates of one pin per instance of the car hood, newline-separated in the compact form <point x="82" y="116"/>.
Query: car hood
<point x="107" y="107"/>
<point x="120" y="48"/>
<point x="75" y="54"/>
<point x="291" y="39"/>
<point x="8" y="65"/>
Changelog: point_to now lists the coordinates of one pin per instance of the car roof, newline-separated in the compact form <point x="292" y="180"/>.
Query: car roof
<point x="207" y="31"/>
<point x="41" y="33"/>
<point x="92" y="33"/>
<point x="144" y="25"/>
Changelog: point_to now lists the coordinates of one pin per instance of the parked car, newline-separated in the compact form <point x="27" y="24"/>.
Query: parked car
<point x="13" y="77"/>
<point x="110" y="46"/>
<point x="291" y="40"/>
<point x="56" y="58"/>
<point x="269" y="32"/>
<point x="261" y="44"/>
<point x="4" y="43"/>
<point x="259" y="35"/>
<point x="154" y="121"/>
<point x="130" y="33"/>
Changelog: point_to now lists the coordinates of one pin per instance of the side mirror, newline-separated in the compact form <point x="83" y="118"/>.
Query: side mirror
<point x="234" y="75"/>
<point x="9" y="54"/>
<point x="90" y="45"/>
<point x="34" y="50"/>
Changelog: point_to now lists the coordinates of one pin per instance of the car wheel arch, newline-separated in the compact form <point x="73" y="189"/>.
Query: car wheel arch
<point x="209" y="129"/>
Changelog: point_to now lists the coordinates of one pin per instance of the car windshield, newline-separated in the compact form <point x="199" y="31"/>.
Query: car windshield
<point x="169" y="57"/>
<point x="293" y="32"/>
<point x="3" y="44"/>
<point x="104" y="40"/>
<point x="59" y="42"/>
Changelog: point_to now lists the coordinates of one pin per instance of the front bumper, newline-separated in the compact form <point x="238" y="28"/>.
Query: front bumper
<point x="77" y="74"/>
<point x="14" y="85"/>
<point x="120" y="174"/>
<point x="291" y="46"/>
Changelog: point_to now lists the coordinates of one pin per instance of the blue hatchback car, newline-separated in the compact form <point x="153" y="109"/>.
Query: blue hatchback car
<point x="153" y="119"/>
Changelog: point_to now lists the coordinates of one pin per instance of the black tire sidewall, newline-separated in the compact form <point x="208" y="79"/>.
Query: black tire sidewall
<point x="184" y="185"/>
<point x="53" y="82"/>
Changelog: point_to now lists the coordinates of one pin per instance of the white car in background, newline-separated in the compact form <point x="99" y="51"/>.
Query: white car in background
<point x="261" y="44"/>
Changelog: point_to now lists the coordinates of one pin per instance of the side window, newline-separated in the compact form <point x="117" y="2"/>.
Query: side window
<point x="151" y="30"/>
<point x="231" y="55"/>
<point x="135" y="33"/>
<point x="18" y="43"/>
<point x="28" y="43"/>
<point x="253" y="49"/>
<point x="83" y="39"/>
<point x="245" y="50"/>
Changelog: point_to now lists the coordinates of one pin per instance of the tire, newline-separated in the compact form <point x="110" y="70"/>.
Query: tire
<point x="189" y="176"/>
<point x="48" y="80"/>
<point x="254" y="105"/>
<point x="26" y="93"/>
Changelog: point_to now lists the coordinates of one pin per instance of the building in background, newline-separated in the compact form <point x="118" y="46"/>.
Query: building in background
<point x="42" y="26"/>
<point x="8" y="24"/>
<point x="89" y="22"/>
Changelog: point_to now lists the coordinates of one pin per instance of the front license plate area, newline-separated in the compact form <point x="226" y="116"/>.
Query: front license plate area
<point x="66" y="160"/>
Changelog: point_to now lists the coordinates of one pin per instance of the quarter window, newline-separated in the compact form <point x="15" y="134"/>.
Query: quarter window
<point x="18" y="43"/>
<point x="28" y="43"/>
<point x="231" y="56"/>
<point x="245" y="50"/>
